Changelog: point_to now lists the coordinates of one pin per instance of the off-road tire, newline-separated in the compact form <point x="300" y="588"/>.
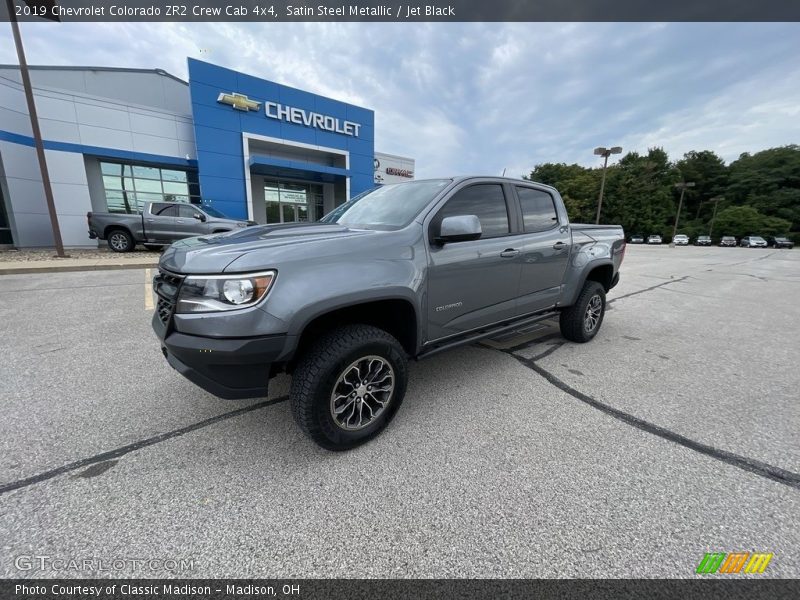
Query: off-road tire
<point x="573" y="319"/>
<point x="318" y="371"/>
<point x="120" y="240"/>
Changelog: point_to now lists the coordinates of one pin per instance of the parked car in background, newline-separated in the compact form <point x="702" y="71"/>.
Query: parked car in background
<point x="637" y="238"/>
<point x="654" y="239"/>
<point x="681" y="240"/>
<point x="727" y="240"/>
<point x="159" y="224"/>
<point x="703" y="240"/>
<point x="780" y="242"/>
<point x="753" y="241"/>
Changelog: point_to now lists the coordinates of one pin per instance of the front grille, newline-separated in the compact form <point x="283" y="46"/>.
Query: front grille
<point x="165" y="309"/>
<point x="166" y="286"/>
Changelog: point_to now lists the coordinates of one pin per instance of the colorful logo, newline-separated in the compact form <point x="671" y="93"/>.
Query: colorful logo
<point x="733" y="562"/>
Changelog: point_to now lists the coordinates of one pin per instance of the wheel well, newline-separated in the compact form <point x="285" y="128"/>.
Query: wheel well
<point x="111" y="228"/>
<point x="220" y="231"/>
<point x="603" y="275"/>
<point x="396" y="317"/>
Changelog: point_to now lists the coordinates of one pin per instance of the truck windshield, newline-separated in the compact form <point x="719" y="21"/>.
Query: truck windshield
<point x="387" y="207"/>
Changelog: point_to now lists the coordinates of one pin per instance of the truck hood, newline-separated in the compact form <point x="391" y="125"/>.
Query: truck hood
<point x="214" y="253"/>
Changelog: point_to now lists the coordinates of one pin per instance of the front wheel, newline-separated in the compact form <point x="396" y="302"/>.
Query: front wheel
<point x="348" y="386"/>
<point x="581" y="321"/>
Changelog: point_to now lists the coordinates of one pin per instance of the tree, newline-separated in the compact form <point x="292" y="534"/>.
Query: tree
<point x="746" y="220"/>
<point x="710" y="175"/>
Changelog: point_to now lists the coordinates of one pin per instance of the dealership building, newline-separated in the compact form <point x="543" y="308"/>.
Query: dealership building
<point x="118" y="138"/>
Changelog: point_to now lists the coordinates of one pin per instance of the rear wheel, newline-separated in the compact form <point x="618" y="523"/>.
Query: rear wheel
<point x="348" y="386"/>
<point x="581" y="321"/>
<point x="120" y="240"/>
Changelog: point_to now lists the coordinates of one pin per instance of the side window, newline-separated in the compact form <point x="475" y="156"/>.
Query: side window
<point x="484" y="200"/>
<point x="538" y="209"/>
<point x="164" y="210"/>
<point x="187" y="212"/>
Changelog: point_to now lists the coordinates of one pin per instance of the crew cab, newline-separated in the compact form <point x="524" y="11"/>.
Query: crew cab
<point x="404" y="271"/>
<point x="159" y="224"/>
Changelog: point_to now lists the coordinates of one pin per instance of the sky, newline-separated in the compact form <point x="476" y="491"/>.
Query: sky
<point x="478" y="98"/>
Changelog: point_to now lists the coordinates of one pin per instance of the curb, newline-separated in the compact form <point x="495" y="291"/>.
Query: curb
<point x="73" y="268"/>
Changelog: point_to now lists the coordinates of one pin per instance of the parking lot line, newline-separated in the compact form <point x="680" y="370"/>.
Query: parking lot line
<point x="148" y="290"/>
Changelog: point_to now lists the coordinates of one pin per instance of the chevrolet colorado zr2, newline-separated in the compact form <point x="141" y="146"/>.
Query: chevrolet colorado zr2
<point x="403" y="271"/>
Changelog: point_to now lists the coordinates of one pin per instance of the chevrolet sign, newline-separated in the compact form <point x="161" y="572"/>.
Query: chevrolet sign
<point x="290" y="114"/>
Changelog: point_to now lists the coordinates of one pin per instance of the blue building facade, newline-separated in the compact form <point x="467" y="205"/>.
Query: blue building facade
<point x="248" y="130"/>
<point x="116" y="139"/>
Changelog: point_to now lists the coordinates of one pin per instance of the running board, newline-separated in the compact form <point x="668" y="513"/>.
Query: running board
<point x="481" y="334"/>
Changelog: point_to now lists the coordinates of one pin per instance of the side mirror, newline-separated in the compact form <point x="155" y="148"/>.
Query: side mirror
<point x="460" y="228"/>
<point x="200" y="217"/>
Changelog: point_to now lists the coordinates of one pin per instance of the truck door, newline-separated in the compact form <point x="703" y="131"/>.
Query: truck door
<point x="473" y="283"/>
<point x="190" y="221"/>
<point x="160" y="222"/>
<point x="545" y="244"/>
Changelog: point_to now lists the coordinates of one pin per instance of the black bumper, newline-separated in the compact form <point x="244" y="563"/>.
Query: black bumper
<point x="231" y="368"/>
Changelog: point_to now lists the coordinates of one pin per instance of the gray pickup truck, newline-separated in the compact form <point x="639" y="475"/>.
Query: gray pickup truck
<point x="160" y="224"/>
<point x="403" y="271"/>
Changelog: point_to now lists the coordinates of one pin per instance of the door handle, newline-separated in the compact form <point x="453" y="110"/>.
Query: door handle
<point x="559" y="246"/>
<point x="509" y="253"/>
<point x="179" y="221"/>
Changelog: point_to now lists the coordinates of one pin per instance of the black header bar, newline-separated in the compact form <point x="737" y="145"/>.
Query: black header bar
<point x="274" y="11"/>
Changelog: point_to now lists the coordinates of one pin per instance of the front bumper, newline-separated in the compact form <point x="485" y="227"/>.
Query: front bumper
<point x="231" y="368"/>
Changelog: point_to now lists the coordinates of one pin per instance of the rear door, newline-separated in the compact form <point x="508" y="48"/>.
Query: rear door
<point x="473" y="283"/>
<point x="160" y="222"/>
<point x="545" y="244"/>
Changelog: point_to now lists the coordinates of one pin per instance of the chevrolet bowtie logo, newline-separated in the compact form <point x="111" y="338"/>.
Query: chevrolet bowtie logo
<point x="239" y="101"/>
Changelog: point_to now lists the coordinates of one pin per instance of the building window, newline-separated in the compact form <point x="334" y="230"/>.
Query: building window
<point x="129" y="187"/>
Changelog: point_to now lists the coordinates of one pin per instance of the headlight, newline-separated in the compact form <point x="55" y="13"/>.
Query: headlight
<point x="241" y="224"/>
<point x="212" y="293"/>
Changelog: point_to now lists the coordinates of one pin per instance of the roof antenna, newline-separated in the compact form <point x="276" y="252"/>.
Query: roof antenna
<point x="504" y="172"/>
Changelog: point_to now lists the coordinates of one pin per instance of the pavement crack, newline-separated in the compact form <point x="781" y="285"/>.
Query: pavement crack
<point x="109" y="457"/>
<point x="750" y="465"/>
<point x="652" y="287"/>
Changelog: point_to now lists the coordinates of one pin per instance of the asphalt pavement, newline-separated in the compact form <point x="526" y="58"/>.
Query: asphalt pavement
<point x="674" y="433"/>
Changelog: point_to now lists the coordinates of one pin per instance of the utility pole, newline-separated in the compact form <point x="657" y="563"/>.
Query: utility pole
<point x="682" y="186"/>
<point x="714" y="216"/>
<point x="37" y="134"/>
<point x="605" y="153"/>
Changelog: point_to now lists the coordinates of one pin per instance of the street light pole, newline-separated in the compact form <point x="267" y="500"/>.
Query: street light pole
<point x="605" y="153"/>
<point x="37" y="133"/>
<point x="714" y="216"/>
<point x="682" y="185"/>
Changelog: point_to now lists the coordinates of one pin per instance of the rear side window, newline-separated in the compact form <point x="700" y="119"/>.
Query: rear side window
<point x="538" y="209"/>
<point x="484" y="200"/>
<point x="164" y="210"/>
